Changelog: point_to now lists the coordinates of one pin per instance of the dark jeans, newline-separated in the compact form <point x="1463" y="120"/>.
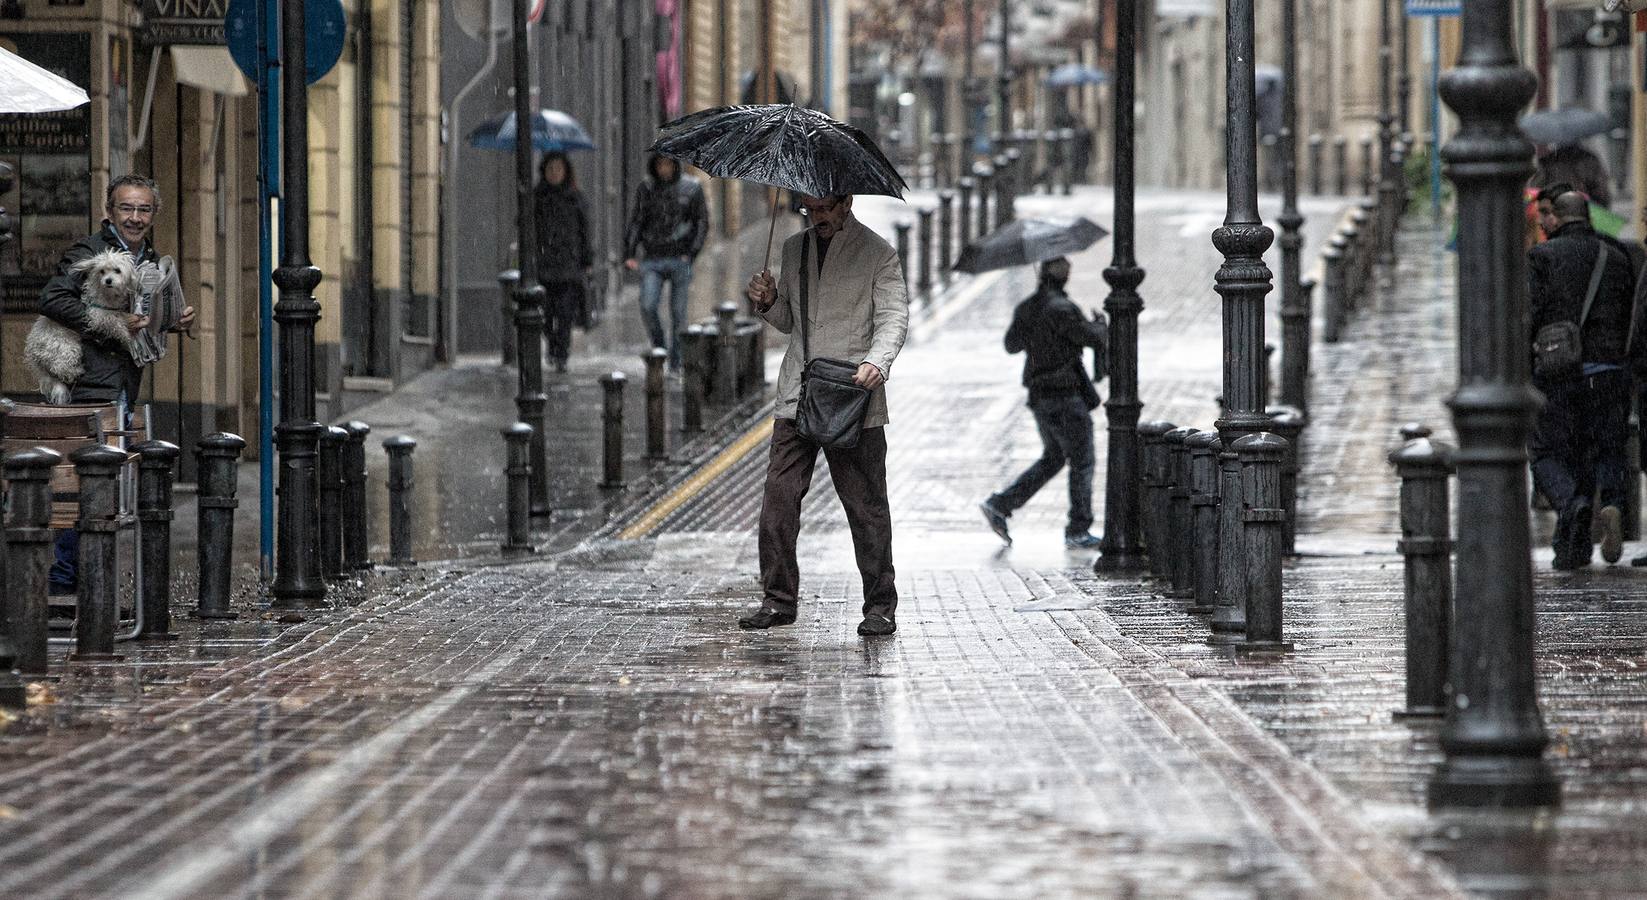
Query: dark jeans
<point x="1579" y="444"/>
<point x="860" y="481"/>
<point x="678" y="271"/>
<point x="1066" y="436"/>
<point x="560" y="313"/>
<point x="65" y="567"/>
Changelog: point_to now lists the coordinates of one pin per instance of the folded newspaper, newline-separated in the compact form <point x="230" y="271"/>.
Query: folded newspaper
<point x="162" y="301"/>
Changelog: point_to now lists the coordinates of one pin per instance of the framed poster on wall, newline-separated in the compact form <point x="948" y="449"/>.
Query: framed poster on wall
<point x="51" y="202"/>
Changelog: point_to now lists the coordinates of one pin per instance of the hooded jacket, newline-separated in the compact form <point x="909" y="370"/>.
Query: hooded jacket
<point x="669" y="218"/>
<point x="109" y="369"/>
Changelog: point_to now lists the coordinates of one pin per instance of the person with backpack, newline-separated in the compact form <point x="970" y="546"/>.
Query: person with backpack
<point x="1580" y="293"/>
<point x="1053" y="334"/>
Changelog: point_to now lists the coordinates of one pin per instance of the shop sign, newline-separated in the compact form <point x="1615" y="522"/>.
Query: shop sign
<point x="50" y="204"/>
<point x="183" y="21"/>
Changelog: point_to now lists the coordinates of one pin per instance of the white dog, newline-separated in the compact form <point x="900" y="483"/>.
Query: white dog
<point x="109" y="291"/>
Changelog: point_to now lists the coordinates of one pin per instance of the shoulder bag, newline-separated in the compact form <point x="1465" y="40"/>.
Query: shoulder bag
<point x="832" y="406"/>
<point x="1558" y="348"/>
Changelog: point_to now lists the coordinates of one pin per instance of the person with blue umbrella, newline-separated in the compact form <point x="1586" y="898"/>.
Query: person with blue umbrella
<point x="564" y="255"/>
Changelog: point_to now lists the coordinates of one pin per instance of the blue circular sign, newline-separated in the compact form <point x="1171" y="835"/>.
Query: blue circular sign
<point x="324" y="32"/>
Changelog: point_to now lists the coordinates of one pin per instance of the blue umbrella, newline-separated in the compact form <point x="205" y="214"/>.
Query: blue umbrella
<point x="1072" y="74"/>
<point x="552" y="130"/>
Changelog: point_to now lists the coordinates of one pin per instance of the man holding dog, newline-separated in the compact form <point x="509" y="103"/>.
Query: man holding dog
<point x="858" y="310"/>
<point x="131" y="204"/>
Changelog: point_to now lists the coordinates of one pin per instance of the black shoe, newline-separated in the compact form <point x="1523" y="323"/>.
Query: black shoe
<point x="876" y="625"/>
<point x="764" y="618"/>
<point x="1571" y="541"/>
<point x="996" y="520"/>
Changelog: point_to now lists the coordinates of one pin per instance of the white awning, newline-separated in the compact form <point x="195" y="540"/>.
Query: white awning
<point x="208" y="68"/>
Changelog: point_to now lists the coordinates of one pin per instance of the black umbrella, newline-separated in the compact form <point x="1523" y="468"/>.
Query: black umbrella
<point x="1563" y="126"/>
<point x="784" y="146"/>
<point x="1029" y="241"/>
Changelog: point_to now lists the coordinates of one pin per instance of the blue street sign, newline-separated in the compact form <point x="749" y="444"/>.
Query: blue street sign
<point x="1434" y="8"/>
<point x="324" y="35"/>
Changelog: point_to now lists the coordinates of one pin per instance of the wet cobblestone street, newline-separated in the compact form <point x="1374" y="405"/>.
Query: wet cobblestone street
<point x="592" y="724"/>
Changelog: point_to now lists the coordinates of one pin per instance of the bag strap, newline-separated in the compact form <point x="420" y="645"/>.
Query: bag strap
<point x="806" y="276"/>
<point x="1595" y="284"/>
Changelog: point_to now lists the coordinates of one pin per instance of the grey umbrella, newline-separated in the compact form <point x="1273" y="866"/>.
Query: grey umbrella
<point x="1029" y="241"/>
<point x="1564" y="126"/>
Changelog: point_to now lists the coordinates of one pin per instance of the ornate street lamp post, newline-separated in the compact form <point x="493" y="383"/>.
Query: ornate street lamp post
<point x="1387" y="186"/>
<point x="1493" y="737"/>
<point x="1120" y="551"/>
<point x="297" y="582"/>
<point x="1004" y="77"/>
<point x="1295" y="311"/>
<point x="1243" y="280"/>
<point x="529" y="294"/>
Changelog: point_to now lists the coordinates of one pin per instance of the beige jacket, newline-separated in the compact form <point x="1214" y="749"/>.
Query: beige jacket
<point x="859" y="309"/>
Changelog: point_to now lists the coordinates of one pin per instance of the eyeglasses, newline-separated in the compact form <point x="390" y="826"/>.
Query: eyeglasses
<point x="126" y="209"/>
<point x="810" y="210"/>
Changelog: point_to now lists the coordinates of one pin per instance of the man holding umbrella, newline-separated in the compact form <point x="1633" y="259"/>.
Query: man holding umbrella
<point x="858" y="310"/>
<point x="1052" y="333"/>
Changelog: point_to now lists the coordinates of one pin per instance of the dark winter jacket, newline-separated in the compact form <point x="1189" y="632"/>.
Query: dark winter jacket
<point x="1052" y="331"/>
<point x="562" y="217"/>
<point x="1558" y="275"/>
<point x="109" y="366"/>
<point x="669" y="218"/>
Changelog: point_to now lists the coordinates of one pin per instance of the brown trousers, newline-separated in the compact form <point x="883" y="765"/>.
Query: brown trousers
<point x="860" y="481"/>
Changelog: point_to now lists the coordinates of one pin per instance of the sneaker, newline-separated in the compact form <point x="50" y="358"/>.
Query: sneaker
<point x="1612" y="533"/>
<point x="997" y="521"/>
<point x="1086" y="540"/>
<point x="764" y="618"/>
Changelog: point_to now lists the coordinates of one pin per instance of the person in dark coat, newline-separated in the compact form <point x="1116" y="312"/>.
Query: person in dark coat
<point x="564" y="256"/>
<point x="111" y="375"/>
<point x="667" y="229"/>
<point x="1052" y="332"/>
<point x="1579" y="444"/>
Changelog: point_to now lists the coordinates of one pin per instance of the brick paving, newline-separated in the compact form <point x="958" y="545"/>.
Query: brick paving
<point x="590" y="725"/>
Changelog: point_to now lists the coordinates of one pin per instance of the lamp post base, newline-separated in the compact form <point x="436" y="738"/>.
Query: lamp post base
<point x="1494" y="782"/>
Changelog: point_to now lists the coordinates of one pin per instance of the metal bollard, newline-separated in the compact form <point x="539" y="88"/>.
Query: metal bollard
<point x="156" y="470"/>
<point x="1369" y="178"/>
<point x="97" y="607"/>
<point x="946" y="233"/>
<point x="1054" y="161"/>
<point x="507" y="281"/>
<point x="1204" y="447"/>
<point x="1153" y="469"/>
<point x="12" y="691"/>
<point x="1017" y="164"/>
<point x="984" y="175"/>
<point x="694" y="380"/>
<point x="517" y="439"/>
<point x="1318" y="148"/>
<point x="1003" y="190"/>
<point x="1295" y="366"/>
<point x="612" y="419"/>
<point x="901" y="229"/>
<point x="963" y="215"/>
<point x="1412" y="431"/>
<point x="28" y="549"/>
<point x="1341" y="165"/>
<point x="215" y="459"/>
<point x="1332" y="262"/>
<point x="657" y="444"/>
<point x="330" y="487"/>
<point x="1229" y="620"/>
<point x="1425" y="467"/>
<point x="1179" y="514"/>
<point x="726" y="348"/>
<point x="400" y="449"/>
<point x="1261" y="458"/>
<point x="1352" y="263"/>
<point x="1289" y="422"/>
<point x="923" y="238"/>
<point x="355" y="529"/>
